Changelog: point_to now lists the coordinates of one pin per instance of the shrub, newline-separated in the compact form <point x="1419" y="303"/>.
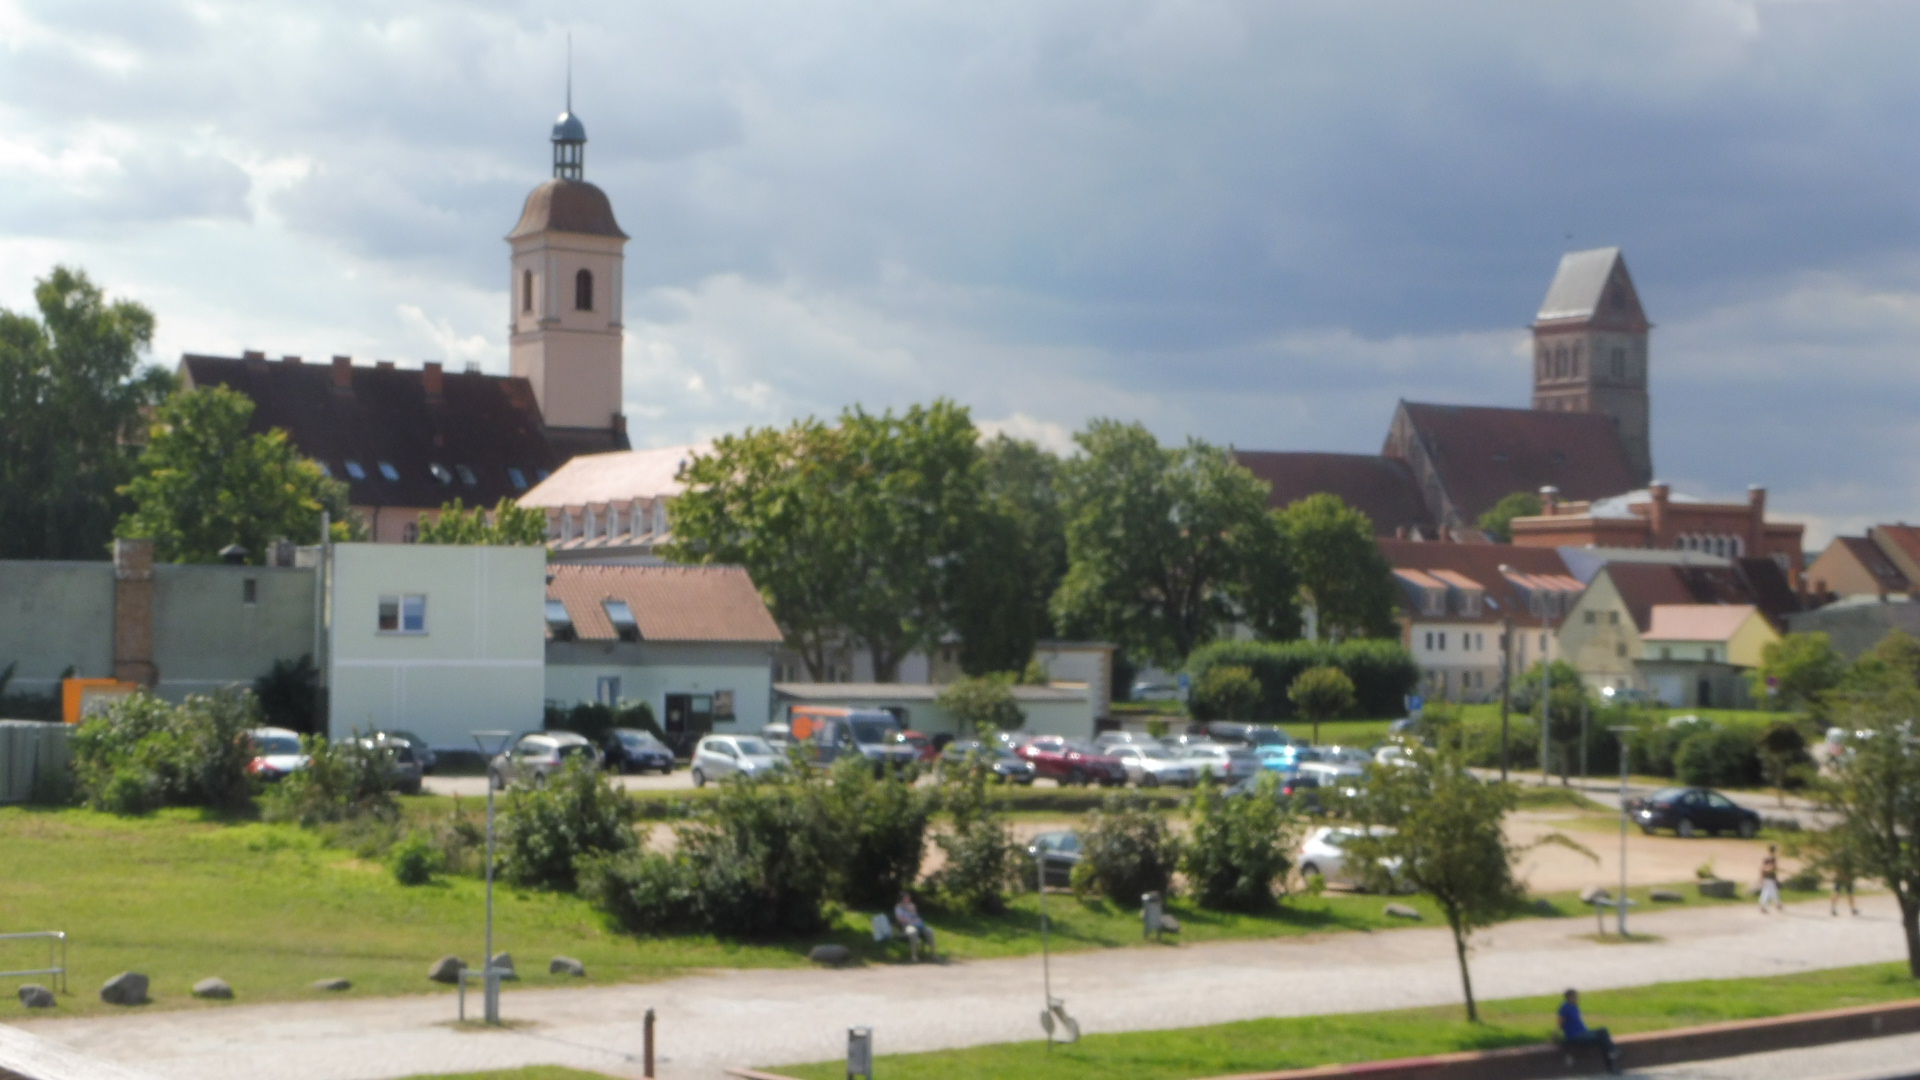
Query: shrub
<point x="592" y="720"/>
<point x="343" y="781"/>
<point x="1715" y="756"/>
<point x="1238" y="847"/>
<point x="142" y="753"/>
<point x="1383" y="673"/>
<point x="878" y="828"/>
<point x="644" y="893"/>
<point x="1783" y="755"/>
<point x="983" y="862"/>
<point x="546" y="830"/>
<point x="983" y="704"/>
<point x="415" y="860"/>
<point x="1125" y="850"/>
<point x="1227" y="690"/>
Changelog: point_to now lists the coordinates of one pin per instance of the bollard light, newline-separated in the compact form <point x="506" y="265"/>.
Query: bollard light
<point x="860" y="1053"/>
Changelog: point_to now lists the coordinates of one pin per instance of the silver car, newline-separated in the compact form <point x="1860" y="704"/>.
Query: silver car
<point x="1220" y="762"/>
<point x="720" y="756"/>
<point x="1151" y="766"/>
<point x="538" y="756"/>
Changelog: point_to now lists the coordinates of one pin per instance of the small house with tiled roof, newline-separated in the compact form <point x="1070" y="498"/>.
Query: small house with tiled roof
<point x="1458" y="600"/>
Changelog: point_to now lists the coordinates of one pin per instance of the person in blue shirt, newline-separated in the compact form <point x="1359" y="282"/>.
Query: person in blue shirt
<point x="1574" y="1032"/>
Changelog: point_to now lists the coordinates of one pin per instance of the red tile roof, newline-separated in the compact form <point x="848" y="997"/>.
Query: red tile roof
<point x="1380" y="487"/>
<point x="1759" y="582"/>
<point x="1874" y="561"/>
<point x="1483" y="564"/>
<point x="1697" y="622"/>
<point x="570" y="206"/>
<point x="670" y="603"/>
<point x="1483" y="454"/>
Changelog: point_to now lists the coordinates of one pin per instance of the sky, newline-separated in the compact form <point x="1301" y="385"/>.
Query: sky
<point x="1255" y="223"/>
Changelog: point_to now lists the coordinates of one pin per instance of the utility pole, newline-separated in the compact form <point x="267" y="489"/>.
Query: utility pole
<point x="1506" y="688"/>
<point x="1546" y="691"/>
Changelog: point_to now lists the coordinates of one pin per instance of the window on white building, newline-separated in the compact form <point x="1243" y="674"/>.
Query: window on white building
<point x="403" y="614"/>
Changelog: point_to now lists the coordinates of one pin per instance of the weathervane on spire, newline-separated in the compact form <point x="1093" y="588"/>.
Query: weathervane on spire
<point x="569" y="134"/>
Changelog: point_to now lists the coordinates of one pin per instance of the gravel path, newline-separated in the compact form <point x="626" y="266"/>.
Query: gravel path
<point x="711" y="1021"/>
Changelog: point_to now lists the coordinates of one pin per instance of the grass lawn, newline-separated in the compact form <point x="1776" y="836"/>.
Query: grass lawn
<point x="1299" y="1042"/>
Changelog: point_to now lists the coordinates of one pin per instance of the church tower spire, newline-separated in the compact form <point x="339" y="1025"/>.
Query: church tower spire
<point x="1590" y="349"/>
<point x="566" y="281"/>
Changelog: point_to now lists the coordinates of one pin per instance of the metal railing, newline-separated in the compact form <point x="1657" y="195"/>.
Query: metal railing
<point x="56" y="940"/>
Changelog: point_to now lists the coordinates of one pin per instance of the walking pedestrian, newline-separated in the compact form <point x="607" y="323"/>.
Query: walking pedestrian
<point x="1770" y="880"/>
<point x="1842" y="882"/>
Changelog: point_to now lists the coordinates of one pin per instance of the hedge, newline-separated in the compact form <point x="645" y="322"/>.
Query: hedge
<point x="1383" y="672"/>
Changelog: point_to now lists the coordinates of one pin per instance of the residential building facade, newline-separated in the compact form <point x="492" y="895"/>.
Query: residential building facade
<point x="1657" y="518"/>
<point x="1458" y="601"/>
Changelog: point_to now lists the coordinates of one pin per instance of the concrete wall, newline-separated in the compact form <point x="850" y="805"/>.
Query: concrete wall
<point x="649" y="671"/>
<point x="479" y="663"/>
<point x="55" y="615"/>
<point x="1854" y="627"/>
<point x="206" y="635"/>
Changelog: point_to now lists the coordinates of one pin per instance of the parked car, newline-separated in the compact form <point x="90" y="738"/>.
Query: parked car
<point x="1283" y="759"/>
<point x="1625" y="695"/>
<point x="717" y="757"/>
<point x="1151" y="766"/>
<point x="421" y="751"/>
<point x="1302" y="790"/>
<point x="276" y="753"/>
<point x="1153" y="691"/>
<point x="1392" y="754"/>
<point x="922" y="745"/>
<point x="406" y="766"/>
<point x="1227" y="763"/>
<point x="1335" y="776"/>
<point x="630" y="750"/>
<point x="778" y="735"/>
<point x="1054" y="855"/>
<point x="828" y="733"/>
<point x="1008" y="767"/>
<point x="537" y="756"/>
<point x="1179" y="743"/>
<point x="1253" y="736"/>
<point x="1107" y="740"/>
<point x="1323" y="854"/>
<point x="1689" y="811"/>
<point x="1345" y="755"/>
<point x="1071" y="761"/>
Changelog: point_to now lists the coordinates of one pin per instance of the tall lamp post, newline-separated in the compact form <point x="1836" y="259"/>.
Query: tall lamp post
<point x="491" y="744"/>
<point x="1506" y="686"/>
<point x="1620" y="902"/>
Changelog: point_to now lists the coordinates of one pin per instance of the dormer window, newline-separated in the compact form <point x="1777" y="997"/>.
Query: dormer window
<point x="466" y="476"/>
<point x="387" y="470"/>
<point x="324" y="470"/>
<point x="559" y="622"/>
<point x="354" y="470"/>
<point x="518" y="479"/>
<point x="583" y="291"/>
<point x="440" y="473"/>
<point x="621" y="616"/>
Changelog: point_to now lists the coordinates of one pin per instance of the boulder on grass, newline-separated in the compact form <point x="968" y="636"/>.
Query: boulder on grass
<point x="503" y="963"/>
<point x="1666" y="896"/>
<point x="832" y="955"/>
<point x="126" y="988"/>
<point x="35" y="996"/>
<point x="447" y="969"/>
<point x="566" y="965"/>
<point x="332" y="984"/>
<point x="1402" y="911"/>
<point x="216" y="988"/>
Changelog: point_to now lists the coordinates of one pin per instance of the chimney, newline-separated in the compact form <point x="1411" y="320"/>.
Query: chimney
<point x="343" y="375"/>
<point x="252" y="354"/>
<point x="473" y="367"/>
<point x="290" y="359"/>
<point x="133" y="612"/>
<point x="432" y="376"/>
<point x="1657" y="520"/>
<point x="383" y="365"/>
<point x="1549" y="500"/>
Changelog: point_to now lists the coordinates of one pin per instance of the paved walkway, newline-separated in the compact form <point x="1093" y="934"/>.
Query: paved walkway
<point x="1896" y="1057"/>
<point x="708" y="1022"/>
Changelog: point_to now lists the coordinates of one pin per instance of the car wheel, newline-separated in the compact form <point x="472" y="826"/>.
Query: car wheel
<point x="699" y="778"/>
<point x="1076" y="778"/>
<point x="1684" y="830"/>
<point x="1311" y="871"/>
<point x="1747" y="829"/>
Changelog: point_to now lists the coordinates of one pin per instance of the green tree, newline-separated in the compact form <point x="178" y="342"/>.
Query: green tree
<point x="1874" y="795"/>
<point x="1168" y="548"/>
<point x="1801" y="666"/>
<point x="982" y="704"/>
<point x="1322" y="693"/>
<point x="204" y="483"/>
<point x="1238" y="848"/>
<point x="507" y="524"/>
<point x="852" y="532"/>
<point x="1342" y="572"/>
<point x="1227" y="690"/>
<point x="71" y="396"/>
<point x="1014" y="560"/>
<point x="1893" y="661"/>
<point x="1443" y="825"/>
<point x="1497" y="522"/>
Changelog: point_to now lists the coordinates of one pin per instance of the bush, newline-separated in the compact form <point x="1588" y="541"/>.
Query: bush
<point x="644" y="893"/>
<point x="343" y="781"/>
<point x="878" y="828"/>
<point x="142" y="753"/>
<point x="1125" y="850"/>
<point x="592" y="720"/>
<point x="1227" y="690"/>
<point x="546" y="830"/>
<point x="983" y="705"/>
<point x="1238" y="847"/>
<point x="1716" y="756"/>
<point x="983" y="862"/>
<point x="415" y="860"/>
<point x="1383" y="673"/>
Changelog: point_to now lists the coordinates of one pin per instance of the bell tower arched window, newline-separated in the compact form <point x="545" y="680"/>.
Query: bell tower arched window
<point x="526" y="290"/>
<point x="583" y="291"/>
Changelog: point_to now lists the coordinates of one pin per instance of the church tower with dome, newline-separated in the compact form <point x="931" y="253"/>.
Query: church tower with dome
<point x="566" y="290"/>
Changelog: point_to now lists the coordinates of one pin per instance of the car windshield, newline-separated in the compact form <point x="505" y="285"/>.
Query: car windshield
<point x="1154" y="753"/>
<point x="872" y="729"/>
<point x="639" y="739"/>
<point x="750" y="745"/>
<point x="574" y="749"/>
<point x="275" y="745"/>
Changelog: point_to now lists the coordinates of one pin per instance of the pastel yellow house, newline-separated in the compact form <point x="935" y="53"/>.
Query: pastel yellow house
<point x="1680" y="635"/>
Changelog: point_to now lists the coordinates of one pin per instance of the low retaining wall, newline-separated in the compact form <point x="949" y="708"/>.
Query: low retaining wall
<point x="1644" y="1050"/>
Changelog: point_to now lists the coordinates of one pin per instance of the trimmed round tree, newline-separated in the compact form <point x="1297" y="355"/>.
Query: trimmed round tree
<point x="1322" y="693"/>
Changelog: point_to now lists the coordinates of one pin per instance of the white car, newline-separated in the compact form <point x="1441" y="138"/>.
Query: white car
<point x="1345" y="755"/>
<point x="1324" y="855"/>
<point x="1151" y="766"/>
<point x="1392" y="755"/>
<point x="720" y="756"/>
<point x="276" y="752"/>
<point x="1334" y="776"/>
<point x="1224" y="763"/>
<point x="1107" y="740"/>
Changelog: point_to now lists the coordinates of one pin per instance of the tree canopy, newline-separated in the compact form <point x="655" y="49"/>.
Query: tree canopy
<point x="982" y="704"/>
<point x="1874" y="793"/>
<point x="1342" y="572"/>
<point x="507" y="524"/>
<point x="203" y="483"/>
<point x="71" y="397"/>
<point x="1497" y="522"/>
<point x="1801" y="666"/>
<point x="1168" y="548"/>
<point x="1014" y="560"/>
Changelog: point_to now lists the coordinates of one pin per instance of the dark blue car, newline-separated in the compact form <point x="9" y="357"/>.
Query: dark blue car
<point x="631" y="750"/>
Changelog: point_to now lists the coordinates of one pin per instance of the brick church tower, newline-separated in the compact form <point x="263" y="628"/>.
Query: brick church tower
<point x="1590" y="350"/>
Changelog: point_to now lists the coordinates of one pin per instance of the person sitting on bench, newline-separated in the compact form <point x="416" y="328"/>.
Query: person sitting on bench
<point x="912" y="927"/>
<point x="1574" y="1032"/>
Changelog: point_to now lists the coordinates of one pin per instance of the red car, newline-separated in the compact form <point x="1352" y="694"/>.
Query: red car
<point x="928" y="751"/>
<point x="1072" y="761"/>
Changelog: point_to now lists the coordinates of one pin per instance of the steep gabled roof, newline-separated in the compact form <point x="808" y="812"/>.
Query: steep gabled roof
<point x="1502" y="571"/>
<point x="412" y="419"/>
<point x="1756" y="582"/>
<point x="1874" y="561"/>
<point x="669" y="603"/>
<point x="591" y="479"/>
<point x="1483" y="454"/>
<point x="1380" y="487"/>
<point x="1592" y="285"/>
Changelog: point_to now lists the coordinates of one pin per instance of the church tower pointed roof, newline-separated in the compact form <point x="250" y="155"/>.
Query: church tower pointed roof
<point x="1592" y="285"/>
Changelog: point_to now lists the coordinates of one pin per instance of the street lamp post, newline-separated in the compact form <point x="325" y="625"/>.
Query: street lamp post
<point x="491" y="743"/>
<point x="1506" y="687"/>
<point x="1620" y="902"/>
